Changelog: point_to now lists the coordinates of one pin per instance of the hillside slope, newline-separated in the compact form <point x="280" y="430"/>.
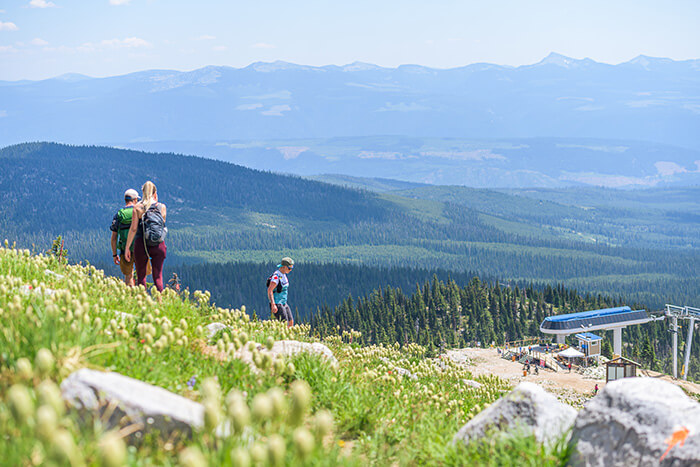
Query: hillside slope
<point x="225" y="213"/>
<point x="296" y="410"/>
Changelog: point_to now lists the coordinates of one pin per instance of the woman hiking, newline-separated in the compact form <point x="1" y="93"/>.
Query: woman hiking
<point x="147" y="232"/>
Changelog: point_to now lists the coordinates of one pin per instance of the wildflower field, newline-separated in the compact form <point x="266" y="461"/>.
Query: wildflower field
<point x="379" y="405"/>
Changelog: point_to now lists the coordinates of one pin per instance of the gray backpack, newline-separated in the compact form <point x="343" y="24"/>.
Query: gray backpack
<point x="154" y="229"/>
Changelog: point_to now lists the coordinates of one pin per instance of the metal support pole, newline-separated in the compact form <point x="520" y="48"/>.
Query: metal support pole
<point x="688" y="344"/>
<point x="674" y="330"/>
<point x="561" y="339"/>
<point x="617" y="341"/>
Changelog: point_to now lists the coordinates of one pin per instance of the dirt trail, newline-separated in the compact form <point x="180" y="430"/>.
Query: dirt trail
<point x="572" y="387"/>
<point x="687" y="385"/>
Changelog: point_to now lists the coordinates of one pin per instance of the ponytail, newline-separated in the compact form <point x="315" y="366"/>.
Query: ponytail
<point x="149" y="190"/>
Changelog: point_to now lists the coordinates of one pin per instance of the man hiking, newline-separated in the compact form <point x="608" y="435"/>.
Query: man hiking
<point x="277" y="287"/>
<point x="120" y="230"/>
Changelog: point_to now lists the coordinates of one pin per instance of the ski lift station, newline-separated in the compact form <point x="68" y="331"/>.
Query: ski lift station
<point x="616" y="319"/>
<point x="608" y="319"/>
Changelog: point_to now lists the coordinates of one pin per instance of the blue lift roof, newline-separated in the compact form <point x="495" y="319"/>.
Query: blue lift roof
<point x="589" y="314"/>
<point x="602" y="318"/>
<point x="588" y="336"/>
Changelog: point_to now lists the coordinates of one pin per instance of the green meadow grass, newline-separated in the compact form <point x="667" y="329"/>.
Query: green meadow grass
<point x="52" y="326"/>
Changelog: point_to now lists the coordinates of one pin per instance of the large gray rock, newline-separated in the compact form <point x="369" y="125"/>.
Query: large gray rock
<point x="527" y="410"/>
<point x="632" y="420"/>
<point x="119" y="401"/>
<point x="290" y="347"/>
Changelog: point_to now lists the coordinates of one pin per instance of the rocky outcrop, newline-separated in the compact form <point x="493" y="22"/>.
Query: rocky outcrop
<point x="49" y="272"/>
<point x="29" y="290"/>
<point x="283" y="348"/>
<point x="213" y="328"/>
<point x="289" y="347"/>
<point x="122" y="401"/>
<point x="404" y="372"/>
<point x="527" y="410"/>
<point x="472" y="384"/>
<point x="398" y="369"/>
<point x="638" y="421"/>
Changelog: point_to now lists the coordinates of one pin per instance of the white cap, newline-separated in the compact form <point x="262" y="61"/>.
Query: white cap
<point x="131" y="194"/>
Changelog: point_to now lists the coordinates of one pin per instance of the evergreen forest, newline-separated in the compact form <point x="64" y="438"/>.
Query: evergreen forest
<point x="223" y="213"/>
<point x="441" y="315"/>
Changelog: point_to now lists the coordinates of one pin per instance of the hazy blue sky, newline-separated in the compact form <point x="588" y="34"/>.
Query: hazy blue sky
<point x="44" y="38"/>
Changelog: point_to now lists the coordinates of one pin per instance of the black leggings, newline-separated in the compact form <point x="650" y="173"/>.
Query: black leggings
<point x="284" y="313"/>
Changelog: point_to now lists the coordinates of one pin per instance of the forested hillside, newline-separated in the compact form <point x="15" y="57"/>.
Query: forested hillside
<point x="312" y="285"/>
<point x="220" y="212"/>
<point x="442" y="314"/>
<point x="650" y="218"/>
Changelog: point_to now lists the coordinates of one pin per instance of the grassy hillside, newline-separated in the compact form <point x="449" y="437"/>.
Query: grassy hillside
<point x="292" y="411"/>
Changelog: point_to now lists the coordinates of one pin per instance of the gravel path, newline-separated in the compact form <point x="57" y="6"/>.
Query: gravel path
<point x="573" y="388"/>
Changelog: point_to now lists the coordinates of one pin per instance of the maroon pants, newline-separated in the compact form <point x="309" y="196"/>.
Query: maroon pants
<point x="157" y="254"/>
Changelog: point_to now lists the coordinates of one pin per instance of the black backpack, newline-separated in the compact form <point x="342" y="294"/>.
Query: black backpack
<point x="154" y="229"/>
<point x="278" y="289"/>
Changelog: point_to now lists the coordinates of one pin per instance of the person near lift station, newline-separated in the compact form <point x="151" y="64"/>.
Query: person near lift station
<point x="277" y="289"/>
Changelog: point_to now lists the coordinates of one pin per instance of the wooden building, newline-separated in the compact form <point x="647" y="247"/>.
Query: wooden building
<point x="619" y="368"/>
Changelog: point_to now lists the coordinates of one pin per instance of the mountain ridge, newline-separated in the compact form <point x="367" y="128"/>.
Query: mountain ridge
<point x="649" y="99"/>
<point x="553" y="58"/>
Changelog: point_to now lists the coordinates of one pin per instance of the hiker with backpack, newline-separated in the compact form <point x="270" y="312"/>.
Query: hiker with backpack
<point x="147" y="234"/>
<point x="120" y="231"/>
<point x="277" y="288"/>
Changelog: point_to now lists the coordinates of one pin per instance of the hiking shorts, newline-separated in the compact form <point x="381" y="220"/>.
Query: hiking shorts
<point x="127" y="267"/>
<point x="284" y="313"/>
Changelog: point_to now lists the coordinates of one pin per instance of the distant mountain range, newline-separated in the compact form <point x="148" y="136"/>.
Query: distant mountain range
<point x="649" y="99"/>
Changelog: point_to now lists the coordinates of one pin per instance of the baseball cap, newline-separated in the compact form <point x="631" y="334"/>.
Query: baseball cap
<point x="131" y="194"/>
<point x="286" y="261"/>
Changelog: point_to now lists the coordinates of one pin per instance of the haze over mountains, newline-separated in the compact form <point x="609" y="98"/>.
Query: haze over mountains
<point x="632" y="124"/>
<point x="484" y="163"/>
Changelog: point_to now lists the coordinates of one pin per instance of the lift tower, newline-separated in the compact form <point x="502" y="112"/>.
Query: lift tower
<point x="690" y="314"/>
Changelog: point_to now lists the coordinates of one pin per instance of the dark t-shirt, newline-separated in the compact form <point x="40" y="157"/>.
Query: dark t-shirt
<point x="115" y="223"/>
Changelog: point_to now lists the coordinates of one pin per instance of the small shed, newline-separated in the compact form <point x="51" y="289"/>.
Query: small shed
<point x="589" y="343"/>
<point x="619" y="368"/>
